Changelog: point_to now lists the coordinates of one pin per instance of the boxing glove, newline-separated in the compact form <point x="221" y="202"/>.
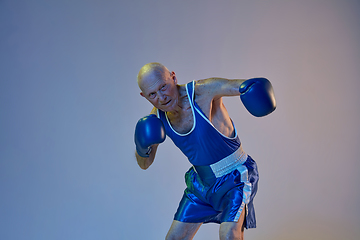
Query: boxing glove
<point x="149" y="130"/>
<point x="258" y="97"/>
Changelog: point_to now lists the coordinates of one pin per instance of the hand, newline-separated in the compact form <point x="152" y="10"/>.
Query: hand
<point x="149" y="130"/>
<point x="258" y="96"/>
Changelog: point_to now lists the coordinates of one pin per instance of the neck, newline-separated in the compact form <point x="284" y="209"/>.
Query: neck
<point x="182" y="103"/>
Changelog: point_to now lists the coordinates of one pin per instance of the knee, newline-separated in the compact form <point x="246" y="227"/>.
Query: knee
<point x="231" y="233"/>
<point x="182" y="231"/>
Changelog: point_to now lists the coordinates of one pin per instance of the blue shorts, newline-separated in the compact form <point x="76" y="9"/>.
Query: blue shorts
<point x="209" y="198"/>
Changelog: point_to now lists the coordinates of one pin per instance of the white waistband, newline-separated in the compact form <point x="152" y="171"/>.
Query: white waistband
<point x="230" y="163"/>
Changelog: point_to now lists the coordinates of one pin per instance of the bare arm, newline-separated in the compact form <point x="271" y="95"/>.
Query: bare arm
<point x="259" y="101"/>
<point x="219" y="87"/>
<point x="208" y="96"/>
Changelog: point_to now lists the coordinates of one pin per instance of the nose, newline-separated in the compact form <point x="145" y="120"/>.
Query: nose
<point x="161" y="96"/>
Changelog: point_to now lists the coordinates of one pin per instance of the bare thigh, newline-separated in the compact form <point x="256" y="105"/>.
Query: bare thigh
<point x="233" y="230"/>
<point x="183" y="231"/>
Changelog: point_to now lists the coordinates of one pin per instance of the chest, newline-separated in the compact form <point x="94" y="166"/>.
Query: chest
<point x="214" y="111"/>
<point x="182" y="123"/>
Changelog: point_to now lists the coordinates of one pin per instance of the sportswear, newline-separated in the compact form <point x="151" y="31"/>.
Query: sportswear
<point x="223" y="178"/>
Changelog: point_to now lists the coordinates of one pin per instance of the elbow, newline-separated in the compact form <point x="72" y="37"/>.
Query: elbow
<point x="143" y="167"/>
<point x="143" y="163"/>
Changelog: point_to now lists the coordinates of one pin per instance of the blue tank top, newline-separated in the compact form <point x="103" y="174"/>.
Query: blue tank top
<point x="203" y="144"/>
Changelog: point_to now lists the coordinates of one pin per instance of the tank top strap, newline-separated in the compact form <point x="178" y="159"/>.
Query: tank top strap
<point x="190" y="89"/>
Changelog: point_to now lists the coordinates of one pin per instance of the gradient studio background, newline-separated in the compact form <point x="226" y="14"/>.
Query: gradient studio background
<point x="69" y="104"/>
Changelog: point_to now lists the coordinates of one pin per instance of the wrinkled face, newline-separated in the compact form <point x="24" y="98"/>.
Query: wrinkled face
<point x="161" y="90"/>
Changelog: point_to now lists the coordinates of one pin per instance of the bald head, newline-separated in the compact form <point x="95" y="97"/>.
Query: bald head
<point x="151" y="70"/>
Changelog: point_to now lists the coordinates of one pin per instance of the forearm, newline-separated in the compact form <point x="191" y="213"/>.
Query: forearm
<point x="231" y="86"/>
<point x="145" y="162"/>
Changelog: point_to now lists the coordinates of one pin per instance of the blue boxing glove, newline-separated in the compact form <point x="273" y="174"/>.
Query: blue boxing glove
<point x="258" y="97"/>
<point x="149" y="130"/>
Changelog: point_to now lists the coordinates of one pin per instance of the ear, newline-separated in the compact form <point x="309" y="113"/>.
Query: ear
<point x="141" y="93"/>
<point x="173" y="75"/>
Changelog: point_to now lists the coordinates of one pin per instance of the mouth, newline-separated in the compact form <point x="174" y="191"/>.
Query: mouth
<point x="165" y="104"/>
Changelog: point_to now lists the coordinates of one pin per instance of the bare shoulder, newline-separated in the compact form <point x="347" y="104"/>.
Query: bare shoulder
<point x="207" y="84"/>
<point x="205" y="92"/>
<point x="206" y="87"/>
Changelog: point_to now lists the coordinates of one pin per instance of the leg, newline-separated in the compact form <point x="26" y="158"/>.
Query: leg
<point x="182" y="231"/>
<point x="233" y="230"/>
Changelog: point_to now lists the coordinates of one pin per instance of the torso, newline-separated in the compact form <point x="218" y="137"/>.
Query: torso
<point x="214" y="109"/>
